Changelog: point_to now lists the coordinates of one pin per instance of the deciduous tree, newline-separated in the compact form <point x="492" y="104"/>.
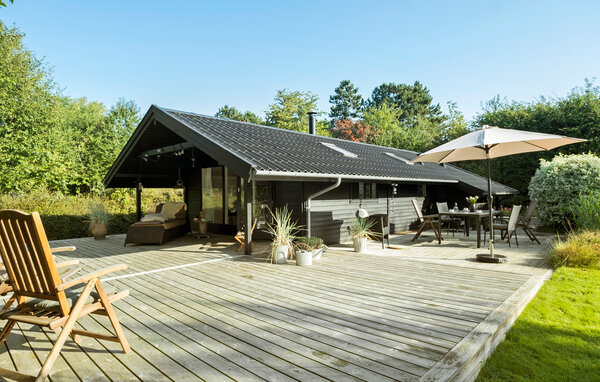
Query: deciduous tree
<point x="290" y="110"/>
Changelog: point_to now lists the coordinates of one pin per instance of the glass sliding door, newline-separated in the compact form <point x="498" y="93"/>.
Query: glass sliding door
<point x="212" y="194"/>
<point x="232" y="199"/>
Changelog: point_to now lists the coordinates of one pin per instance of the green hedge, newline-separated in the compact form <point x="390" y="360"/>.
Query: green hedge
<point x="64" y="216"/>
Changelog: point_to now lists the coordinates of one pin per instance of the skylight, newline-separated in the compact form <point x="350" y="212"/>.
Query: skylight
<point x="400" y="158"/>
<point x="340" y="150"/>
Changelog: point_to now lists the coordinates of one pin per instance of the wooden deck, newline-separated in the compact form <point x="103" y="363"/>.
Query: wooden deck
<point x="199" y="310"/>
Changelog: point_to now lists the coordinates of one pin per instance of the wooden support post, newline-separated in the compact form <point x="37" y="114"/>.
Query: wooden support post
<point x="138" y="200"/>
<point x="249" y="218"/>
<point x="225" y="196"/>
<point x="238" y="202"/>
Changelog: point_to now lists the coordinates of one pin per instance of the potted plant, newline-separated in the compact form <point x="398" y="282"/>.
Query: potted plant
<point x="283" y="231"/>
<point x="303" y="254"/>
<point x="360" y="231"/>
<point x="316" y="245"/>
<point x="472" y="200"/>
<point x="98" y="219"/>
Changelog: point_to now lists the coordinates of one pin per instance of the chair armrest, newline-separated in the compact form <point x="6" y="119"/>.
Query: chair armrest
<point x="432" y="216"/>
<point x="90" y="276"/>
<point x="62" y="249"/>
<point x="67" y="263"/>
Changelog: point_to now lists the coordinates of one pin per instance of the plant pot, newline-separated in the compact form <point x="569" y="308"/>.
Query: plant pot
<point x="304" y="258"/>
<point x="98" y="230"/>
<point x="360" y="244"/>
<point x="316" y="254"/>
<point x="472" y="207"/>
<point x="280" y="254"/>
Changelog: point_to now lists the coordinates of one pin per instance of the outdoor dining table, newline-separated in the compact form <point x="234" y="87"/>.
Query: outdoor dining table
<point x="467" y="215"/>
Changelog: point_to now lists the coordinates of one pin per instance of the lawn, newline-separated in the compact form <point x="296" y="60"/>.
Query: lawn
<point x="557" y="337"/>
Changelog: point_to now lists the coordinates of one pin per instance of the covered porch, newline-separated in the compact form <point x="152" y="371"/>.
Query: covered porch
<point x="198" y="309"/>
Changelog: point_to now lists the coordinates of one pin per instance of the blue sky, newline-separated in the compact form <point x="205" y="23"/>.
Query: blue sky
<point x="197" y="56"/>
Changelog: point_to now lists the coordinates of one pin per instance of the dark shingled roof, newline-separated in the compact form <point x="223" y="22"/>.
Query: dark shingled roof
<point x="274" y="152"/>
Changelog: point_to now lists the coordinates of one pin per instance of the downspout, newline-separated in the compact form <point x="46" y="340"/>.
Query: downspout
<point x="311" y="197"/>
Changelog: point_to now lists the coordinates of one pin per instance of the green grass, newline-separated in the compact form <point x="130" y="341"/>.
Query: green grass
<point x="557" y="337"/>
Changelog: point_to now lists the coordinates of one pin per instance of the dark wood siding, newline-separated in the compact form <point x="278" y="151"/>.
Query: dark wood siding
<point x="333" y="211"/>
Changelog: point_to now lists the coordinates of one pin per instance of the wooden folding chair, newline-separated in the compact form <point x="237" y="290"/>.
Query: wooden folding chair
<point x="427" y="220"/>
<point x="42" y="298"/>
<point x="240" y="237"/>
<point x="525" y="221"/>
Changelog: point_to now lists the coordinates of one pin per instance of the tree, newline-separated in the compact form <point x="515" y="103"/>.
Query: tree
<point x="357" y="131"/>
<point x="346" y="102"/>
<point x="233" y="113"/>
<point x="30" y="135"/>
<point x="576" y="115"/>
<point x="412" y="101"/>
<point x="290" y="110"/>
<point x="3" y="4"/>
<point x="454" y="125"/>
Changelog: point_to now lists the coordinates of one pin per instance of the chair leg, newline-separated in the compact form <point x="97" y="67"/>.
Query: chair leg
<point x="516" y="238"/>
<point x="65" y="332"/>
<point x="509" y="236"/>
<point x="8" y="304"/>
<point x="7" y="328"/>
<point x="419" y="231"/>
<point x="112" y="316"/>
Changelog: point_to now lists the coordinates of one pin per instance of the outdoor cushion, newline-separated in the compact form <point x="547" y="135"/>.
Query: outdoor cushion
<point x="154" y="218"/>
<point x="166" y="225"/>
<point x="171" y="209"/>
<point x="72" y="295"/>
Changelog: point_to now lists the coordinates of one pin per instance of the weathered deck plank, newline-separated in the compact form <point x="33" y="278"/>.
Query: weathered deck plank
<point x="393" y="314"/>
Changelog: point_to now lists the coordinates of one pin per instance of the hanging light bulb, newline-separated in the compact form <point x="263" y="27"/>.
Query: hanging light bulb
<point x="179" y="184"/>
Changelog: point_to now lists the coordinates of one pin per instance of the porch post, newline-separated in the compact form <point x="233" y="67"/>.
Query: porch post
<point x="248" y="229"/>
<point x="138" y="200"/>
<point x="225" y="196"/>
<point x="238" y="202"/>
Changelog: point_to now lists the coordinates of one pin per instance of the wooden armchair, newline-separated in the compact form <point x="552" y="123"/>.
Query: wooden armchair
<point x="427" y="221"/>
<point x="44" y="299"/>
<point x="240" y="237"/>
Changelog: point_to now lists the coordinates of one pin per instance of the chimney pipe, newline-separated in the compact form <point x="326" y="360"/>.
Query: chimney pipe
<point x="312" y="122"/>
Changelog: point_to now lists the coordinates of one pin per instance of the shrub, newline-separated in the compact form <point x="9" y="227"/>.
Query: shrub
<point x="578" y="250"/>
<point x="558" y="184"/>
<point x="586" y="213"/>
<point x="65" y="216"/>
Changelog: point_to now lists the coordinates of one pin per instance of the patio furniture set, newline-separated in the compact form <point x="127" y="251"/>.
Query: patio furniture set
<point x="456" y="218"/>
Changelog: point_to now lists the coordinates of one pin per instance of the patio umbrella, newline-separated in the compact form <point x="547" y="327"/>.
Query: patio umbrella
<point x="493" y="142"/>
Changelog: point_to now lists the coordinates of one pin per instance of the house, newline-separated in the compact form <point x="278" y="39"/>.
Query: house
<point x="229" y="167"/>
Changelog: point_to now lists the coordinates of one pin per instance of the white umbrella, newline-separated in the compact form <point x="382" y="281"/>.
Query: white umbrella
<point x="493" y="142"/>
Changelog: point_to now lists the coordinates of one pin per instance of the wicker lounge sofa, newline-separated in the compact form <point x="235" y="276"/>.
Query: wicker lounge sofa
<point x="169" y="222"/>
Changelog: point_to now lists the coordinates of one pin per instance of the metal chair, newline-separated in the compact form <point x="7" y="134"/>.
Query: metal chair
<point x="508" y="229"/>
<point x="525" y="221"/>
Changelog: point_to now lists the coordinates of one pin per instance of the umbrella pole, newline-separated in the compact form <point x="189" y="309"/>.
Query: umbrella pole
<point x="490" y="204"/>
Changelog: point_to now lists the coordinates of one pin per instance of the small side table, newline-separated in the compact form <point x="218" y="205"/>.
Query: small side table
<point x="198" y="229"/>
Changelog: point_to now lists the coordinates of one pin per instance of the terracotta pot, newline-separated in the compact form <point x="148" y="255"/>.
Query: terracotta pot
<point x="98" y="230"/>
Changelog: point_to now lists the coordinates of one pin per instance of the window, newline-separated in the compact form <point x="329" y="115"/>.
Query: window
<point x="367" y="190"/>
<point x="340" y="150"/>
<point x="212" y="194"/>
<point x="400" y="158"/>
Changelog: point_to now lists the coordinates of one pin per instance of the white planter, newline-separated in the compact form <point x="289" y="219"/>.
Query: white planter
<point x="304" y="258"/>
<point x="316" y="254"/>
<point x="360" y="244"/>
<point x="280" y="254"/>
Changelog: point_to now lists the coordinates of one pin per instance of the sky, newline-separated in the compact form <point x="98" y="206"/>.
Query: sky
<point x="197" y="56"/>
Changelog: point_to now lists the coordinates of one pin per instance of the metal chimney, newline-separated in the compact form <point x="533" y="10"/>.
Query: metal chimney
<point x="312" y="122"/>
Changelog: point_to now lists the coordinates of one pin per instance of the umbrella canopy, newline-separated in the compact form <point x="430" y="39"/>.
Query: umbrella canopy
<point x="493" y="142"/>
